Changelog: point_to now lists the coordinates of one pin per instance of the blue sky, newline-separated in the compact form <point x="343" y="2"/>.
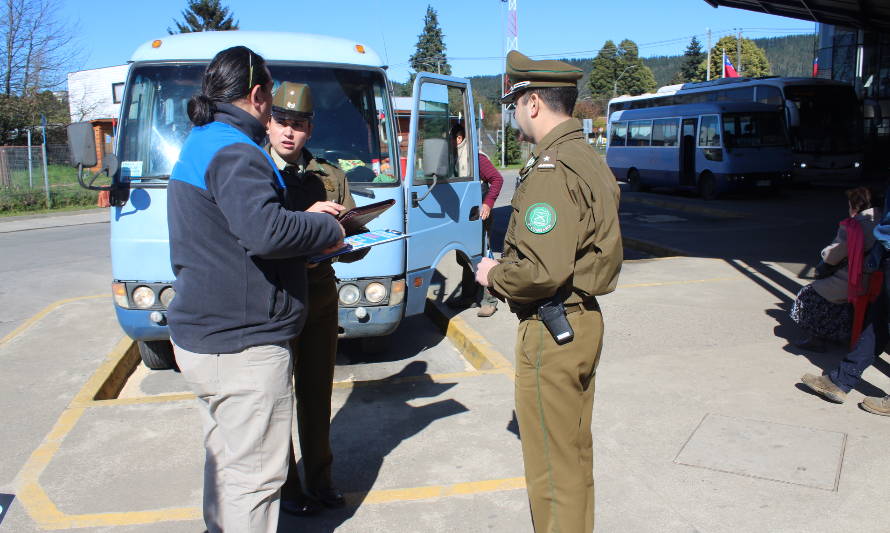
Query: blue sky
<point x="109" y="30"/>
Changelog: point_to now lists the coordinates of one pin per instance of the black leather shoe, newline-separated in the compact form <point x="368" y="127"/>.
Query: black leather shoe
<point x="330" y="497"/>
<point x="302" y="506"/>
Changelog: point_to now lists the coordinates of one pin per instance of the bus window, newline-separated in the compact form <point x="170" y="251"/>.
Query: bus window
<point x="640" y="132"/>
<point x="619" y="133"/>
<point x="664" y="132"/>
<point x="709" y="131"/>
<point x="743" y="94"/>
<point x="769" y="95"/>
<point x="753" y="129"/>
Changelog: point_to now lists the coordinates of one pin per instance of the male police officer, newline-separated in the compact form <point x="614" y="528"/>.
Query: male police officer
<point x="313" y="185"/>
<point x="562" y="249"/>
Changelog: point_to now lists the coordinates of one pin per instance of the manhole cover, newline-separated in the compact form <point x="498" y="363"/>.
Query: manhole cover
<point x="766" y="450"/>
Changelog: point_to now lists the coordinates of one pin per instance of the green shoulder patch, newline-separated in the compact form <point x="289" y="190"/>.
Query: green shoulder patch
<point x="540" y="218"/>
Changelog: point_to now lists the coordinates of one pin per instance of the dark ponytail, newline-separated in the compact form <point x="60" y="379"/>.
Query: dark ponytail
<point x="230" y="76"/>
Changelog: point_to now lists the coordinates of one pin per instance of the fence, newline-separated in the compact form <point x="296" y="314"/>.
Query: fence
<point x="23" y="180"/>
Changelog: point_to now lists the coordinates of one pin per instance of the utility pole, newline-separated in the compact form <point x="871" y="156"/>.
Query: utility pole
<point x="738" y="52"/>
<point x="511" y="43"/>
<point x="49" y="203"/>
<point x="709" y="54"/>
<point x="30" y="167"/>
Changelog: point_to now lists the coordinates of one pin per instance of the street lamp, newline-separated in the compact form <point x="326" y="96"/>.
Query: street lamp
<point x="615" y="85"/>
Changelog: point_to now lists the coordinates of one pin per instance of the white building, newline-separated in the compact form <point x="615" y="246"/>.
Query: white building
<point x="95" y="94"/>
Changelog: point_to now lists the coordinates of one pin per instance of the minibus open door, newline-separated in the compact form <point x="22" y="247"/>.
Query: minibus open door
<point x="442" y="187"/>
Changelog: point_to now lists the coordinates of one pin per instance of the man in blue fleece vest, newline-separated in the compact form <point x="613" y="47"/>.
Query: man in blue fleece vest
<point x="237" y="254"/>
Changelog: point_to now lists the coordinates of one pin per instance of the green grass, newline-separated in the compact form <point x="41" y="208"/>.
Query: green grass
<point x="65" y="193"/>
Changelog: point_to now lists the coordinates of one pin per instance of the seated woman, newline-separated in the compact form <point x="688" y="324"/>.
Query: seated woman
<point x="822" y="308"/>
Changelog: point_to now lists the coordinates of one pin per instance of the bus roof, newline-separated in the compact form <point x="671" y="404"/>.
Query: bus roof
<point x="727" y="83"/>
<point x="685" y="110"/>
<point x="273" y="46"/>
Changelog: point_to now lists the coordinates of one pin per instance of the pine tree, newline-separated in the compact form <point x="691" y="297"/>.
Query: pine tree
<point x="204" y="15"/>
<point x="430" y="54"/>
<point x="604" y="72"/>
<point x="692" y="58"/>
<point x="513" y="151"/>
<point x="754" y="61"/>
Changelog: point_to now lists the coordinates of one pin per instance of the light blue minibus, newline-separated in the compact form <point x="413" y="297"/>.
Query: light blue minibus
<point x="712" y="148"/>
<point x="354" y="127"/>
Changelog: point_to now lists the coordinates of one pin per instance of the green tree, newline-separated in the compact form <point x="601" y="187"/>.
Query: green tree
<point x="634" y="77"/>
<point x="692" y="59"/>
<point x="604" y="72"/>
<point x="204" y="15"/>
<point x="513" y="151"/>
<point x="754" y="62"/>
<point x="430" y="54"/>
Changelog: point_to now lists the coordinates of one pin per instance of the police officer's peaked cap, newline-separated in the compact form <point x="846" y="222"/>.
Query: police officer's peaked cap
<point x="525" y="73"/>
<point x="292" y="100"/>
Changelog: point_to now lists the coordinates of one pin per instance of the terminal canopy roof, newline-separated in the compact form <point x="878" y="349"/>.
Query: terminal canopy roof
<point x="865" y="14"/>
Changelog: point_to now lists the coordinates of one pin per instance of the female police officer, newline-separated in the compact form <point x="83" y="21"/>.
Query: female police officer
<point x="313" y="185"/>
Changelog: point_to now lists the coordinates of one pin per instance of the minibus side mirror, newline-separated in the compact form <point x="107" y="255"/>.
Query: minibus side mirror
<point x="434" y="164"/>
<point x="82" y="145"/>
<point x="793" y="114"/>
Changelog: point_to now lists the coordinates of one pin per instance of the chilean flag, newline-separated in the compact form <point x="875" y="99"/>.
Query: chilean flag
<point x="815" y="67"/>
<point x="728" y="69"/>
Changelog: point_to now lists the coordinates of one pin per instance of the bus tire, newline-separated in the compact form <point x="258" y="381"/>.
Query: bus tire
<point x="633" y="180"/>
<point x="157" y="355"/>
<point x="707" y="186"/>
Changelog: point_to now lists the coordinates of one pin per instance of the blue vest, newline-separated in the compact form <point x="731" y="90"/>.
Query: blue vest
<point x="202" y="145"/>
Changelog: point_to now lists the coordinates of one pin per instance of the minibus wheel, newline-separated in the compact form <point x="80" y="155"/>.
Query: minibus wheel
<point x="157" y="355"/>
<point x="633" y="180"/>
<point x="707" y="186"/>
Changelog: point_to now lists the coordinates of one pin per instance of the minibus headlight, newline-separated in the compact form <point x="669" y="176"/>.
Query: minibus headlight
<point x="397" y="292"/>
<point x="375" y="292"/>
<point x="856" y="164"/>
<point x="167" y="296"/>
<point x="143" y="297"/>
<point x="349" y="294"/>
<point x="119" y="290"/>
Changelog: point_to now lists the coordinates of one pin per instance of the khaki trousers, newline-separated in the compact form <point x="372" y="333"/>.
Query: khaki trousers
<point x="246" y="401"/>
<point x="315" y="352"/>
<point x="554" y="404"/>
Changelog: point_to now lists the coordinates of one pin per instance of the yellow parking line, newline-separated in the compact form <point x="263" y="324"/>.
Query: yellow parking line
<point x="45" y="311"/>
<point x="435" y="491"/>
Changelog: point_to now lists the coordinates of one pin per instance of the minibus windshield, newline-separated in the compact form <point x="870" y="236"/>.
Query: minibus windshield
<point x="350" y="126"/>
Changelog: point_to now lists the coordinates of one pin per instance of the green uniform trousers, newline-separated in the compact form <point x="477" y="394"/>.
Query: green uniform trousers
<point x="554" y="404"/>
<point x="314" y="352"/>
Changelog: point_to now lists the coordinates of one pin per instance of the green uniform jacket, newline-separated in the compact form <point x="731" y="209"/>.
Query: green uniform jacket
<point x="564" y="229"/>
<point x="318" y="181"/>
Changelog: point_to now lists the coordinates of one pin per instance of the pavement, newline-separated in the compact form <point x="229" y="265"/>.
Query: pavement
<point x="699" y="425"/>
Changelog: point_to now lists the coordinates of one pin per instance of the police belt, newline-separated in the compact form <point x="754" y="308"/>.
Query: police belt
<point x="532" y="312"/>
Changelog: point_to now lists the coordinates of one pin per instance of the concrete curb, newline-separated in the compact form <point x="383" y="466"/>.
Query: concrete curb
<point x="652" y="248"/>
<point x="473" y="346"/>
<point x="109" y="379"/>
<point x="682" y="206"/>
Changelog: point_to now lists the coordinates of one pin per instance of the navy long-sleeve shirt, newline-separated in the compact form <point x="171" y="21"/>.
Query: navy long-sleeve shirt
<point x="237" y="253"/>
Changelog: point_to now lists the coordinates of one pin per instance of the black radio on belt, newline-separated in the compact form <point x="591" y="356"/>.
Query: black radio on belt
<point x="553" y="314"/>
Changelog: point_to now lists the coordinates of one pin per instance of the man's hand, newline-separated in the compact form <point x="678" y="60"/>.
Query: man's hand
<point x="482" y="271"/>
<point x="484" y="212"/>
<point x="337" y="245"/>
<point x="331" y="208"/>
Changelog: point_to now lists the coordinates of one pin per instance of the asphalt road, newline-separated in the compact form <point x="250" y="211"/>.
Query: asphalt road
<point x="42" y="266"/>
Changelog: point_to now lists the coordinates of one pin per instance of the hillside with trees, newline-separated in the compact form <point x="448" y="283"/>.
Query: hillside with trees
<point x="790" y="55"/>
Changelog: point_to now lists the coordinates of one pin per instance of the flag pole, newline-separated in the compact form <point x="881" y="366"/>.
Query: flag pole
<point x="723" y="64"/>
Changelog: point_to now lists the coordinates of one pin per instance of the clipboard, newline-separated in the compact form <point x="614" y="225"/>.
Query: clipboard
<point x="355" y="219"/>
<point x="362" y="241"/>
